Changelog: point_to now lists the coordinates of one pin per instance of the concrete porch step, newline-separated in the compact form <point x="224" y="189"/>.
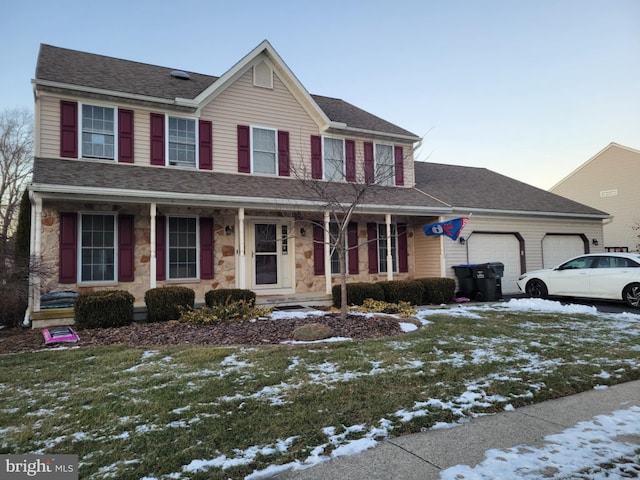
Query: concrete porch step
<point x="302" y="299"/>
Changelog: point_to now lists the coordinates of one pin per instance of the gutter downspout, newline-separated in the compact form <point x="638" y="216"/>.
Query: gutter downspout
<point x="35" y="252"/>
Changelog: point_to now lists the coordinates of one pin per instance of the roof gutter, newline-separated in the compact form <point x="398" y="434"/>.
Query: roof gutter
<point x="364" y="131"/>
<point x="594" y="216"/>
<point x="136" y="196"/>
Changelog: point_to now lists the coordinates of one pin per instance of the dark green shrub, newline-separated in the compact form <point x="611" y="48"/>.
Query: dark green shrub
<point x="104" y="309"/>
<point x="22" y="235"/>
<point x="225" y="296"/>
<point x="13" y="303"/>
<point x="397" y="291"/>
<point x="357" y="293"/>
<point x="438" y="290"/>
<point x="166" y="303"/>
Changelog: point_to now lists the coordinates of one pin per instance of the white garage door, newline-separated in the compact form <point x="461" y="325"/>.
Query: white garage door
<point x="558" y="248"/>
<point x="504" y="248"/>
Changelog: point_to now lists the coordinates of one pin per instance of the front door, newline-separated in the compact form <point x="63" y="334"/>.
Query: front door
<point x="265" y="255"/>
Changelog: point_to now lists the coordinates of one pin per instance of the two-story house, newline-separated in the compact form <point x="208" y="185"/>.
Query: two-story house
<point x="146" y="176"/>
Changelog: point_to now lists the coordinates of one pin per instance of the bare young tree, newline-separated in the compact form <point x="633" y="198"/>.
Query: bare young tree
<point x="341" y="193"/>
<point x="16" y="155"/>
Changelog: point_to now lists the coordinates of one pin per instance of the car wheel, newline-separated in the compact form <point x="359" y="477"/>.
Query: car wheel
<point x="631" y="295"/>
<point x="536" y="288"/>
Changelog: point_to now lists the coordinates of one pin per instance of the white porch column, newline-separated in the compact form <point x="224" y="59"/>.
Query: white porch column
<point x="242" y="258"/>
<point x="152" y="246"/>
<point x="387" y="219"/>
<point x="35" y="254"/>
<point x="327" y="254"/>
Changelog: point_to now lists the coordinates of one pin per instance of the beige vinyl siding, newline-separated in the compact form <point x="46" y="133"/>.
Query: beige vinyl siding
<point x="609" y="182"/>
<point x="243" y="104"/>
<point x="428" y="253"/>
<point x="532" y="229"/>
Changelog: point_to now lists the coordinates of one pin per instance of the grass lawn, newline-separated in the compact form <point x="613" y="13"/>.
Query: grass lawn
<point x="209" y="413"/>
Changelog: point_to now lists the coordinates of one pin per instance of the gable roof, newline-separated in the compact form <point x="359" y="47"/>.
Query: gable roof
<point x="99" y="74"/>
<point x="471" y="189"/>
<point x="611" y="146"/>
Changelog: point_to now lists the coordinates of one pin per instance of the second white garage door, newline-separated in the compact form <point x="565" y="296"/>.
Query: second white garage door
<point x="558" y="248"/>
<point x="504" y="248"/>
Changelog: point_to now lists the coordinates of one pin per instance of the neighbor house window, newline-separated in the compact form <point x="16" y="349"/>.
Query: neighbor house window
<point x="182" y="142"/>
<point x="385" y="166"/>
<point x="98" y="132"/>
<point x="382" y="248"/>
<point x="264" y="150"/>
<point x="333" y="159"/>
<point x="97" y="249"/>
<point x="183" y="247"/>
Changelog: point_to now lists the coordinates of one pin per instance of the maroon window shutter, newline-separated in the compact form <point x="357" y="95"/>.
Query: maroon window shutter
<point x="283" y="154"/>
<point x="403" y="260"/>
<point x="372" y="238"/>
<point x="161" y="248"/>
<point x="68" y="269"/>
<point x="316" y="157"/>
<point x="318" y="250"/>
<point x="244" y="149"/>
<point x="125" y="136"/>
<point x="68" y="129"/>
<point x="205" y="149"/>
<point x="157" y="139"/>
<point x="350" y="148"/>
<point x="352" y="245"/>
<point x="206" y="248"/>
<point x="369" y="176"/>
<point x="399" y="162"/>
<point x="126" y="249"/>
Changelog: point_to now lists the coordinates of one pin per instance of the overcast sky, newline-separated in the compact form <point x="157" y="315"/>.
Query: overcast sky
<point x="529" y="89"/>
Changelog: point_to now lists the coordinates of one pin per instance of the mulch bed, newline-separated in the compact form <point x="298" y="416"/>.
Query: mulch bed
<point x="259" y="332"/>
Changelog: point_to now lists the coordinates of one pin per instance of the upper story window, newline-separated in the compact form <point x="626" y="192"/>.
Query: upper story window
<point x="98" y="132"/>
<point x="182" y="141"/>
<point x="264" y="150"/>
<point x="385" y="166"/>
<point x="333" y="159"/>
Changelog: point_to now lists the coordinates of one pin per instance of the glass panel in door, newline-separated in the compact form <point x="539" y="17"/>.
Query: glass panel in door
<point x="266" y="254"/>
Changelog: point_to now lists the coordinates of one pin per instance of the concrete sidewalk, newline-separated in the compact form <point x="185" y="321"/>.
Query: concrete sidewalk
<point x="422" y="456"/>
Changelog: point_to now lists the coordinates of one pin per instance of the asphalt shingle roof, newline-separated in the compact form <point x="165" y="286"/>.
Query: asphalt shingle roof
<point x="83" y="69"/>
<point x="471" y="187"/>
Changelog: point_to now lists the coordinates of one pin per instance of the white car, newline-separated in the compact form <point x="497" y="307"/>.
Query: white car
<point x="612" y="276"/>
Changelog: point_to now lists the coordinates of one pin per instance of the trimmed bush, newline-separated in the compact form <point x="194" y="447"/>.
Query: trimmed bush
<point x="103" y="309"/>
<point x="438" y="290"/>
<point x="225" y="296"/>
<point x="166" y="303"/>
<point x="231" y="312"/>
<point x="357" y="293"/>
<point x="397" y="291"/>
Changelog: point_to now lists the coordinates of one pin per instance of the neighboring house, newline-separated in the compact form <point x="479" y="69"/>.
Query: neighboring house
<point x="610" y="181"/>
<point x="145" y="176"/>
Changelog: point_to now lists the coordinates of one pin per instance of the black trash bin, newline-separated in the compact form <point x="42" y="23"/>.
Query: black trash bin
<point x="466" y="282"/>
<point x="488" y="281"/>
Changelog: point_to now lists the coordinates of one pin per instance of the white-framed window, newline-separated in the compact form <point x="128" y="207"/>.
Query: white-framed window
<point x="182" y="248"/>
<point x="264" y="150"/>
<point x="98" y="127"/>
<point x="382" y="248"/>
<point x="181" y="147"/>
<point x="97" y="247"/>
<point x="333" y="156"/>
<point x="384" y="164"/>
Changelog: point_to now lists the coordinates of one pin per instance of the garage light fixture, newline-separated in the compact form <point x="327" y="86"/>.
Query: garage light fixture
<point x="594" y="241"/>
<point x="462" y="240"/>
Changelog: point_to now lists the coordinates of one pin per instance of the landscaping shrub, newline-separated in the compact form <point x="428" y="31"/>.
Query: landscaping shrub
<point x="396" y="291"/>
<point x="357" y="293"/>
<point x="231" y="312"/>
<point x="438" y="290"/>
<point x="12" y="305"/>
<point x="377" y="306"/>
<point x="103" y="309"/>
<point x="166" y="303"/>
<point x="312" y="332"/>
<point x="225" y="296"/>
